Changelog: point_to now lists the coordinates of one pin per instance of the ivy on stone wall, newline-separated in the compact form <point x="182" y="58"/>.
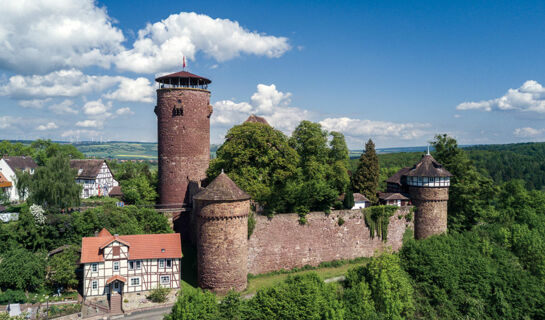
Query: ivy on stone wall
<point x="251" y="223"/>
<point x="377" y="219"/>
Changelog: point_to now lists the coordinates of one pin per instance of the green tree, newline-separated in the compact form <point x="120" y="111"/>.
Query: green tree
<point x="348" y="201"/>
<point x="338" y="160"/>
<point x="358" y="302"/>
<point x="259" y="160"/>
<point x="23" y="181"/>
<point x="54" y="185"/>
<point x="138" y="190"/>
<point x="45" y="150"/>
<point x="299" y="297"/>
<point x="22" y="270"/>
<point x="62" y="269"/>
<point x="365" y="179"/>
<point x="194" y="304"/>
<point x="471" y="193"/>
<point x="390" y="286"/>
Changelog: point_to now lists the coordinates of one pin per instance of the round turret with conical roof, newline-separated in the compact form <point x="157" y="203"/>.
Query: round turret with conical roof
<point x="428" y="183"/>
<point x="222" y="210"/>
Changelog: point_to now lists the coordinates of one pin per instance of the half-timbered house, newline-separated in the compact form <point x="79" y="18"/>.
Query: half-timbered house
<point x="95" y="176"/>
<point x="8" y="178"/>
<point x="114" y="265"/>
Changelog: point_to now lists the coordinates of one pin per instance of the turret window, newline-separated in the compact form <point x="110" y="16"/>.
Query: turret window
<point x="177" y="111"/>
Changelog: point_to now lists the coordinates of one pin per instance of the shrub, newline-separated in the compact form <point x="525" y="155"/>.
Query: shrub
<point x="159" y="294"/>
<point x="195" y="304"/>
<point x="340" y="221"/>
<point x="12" y="296"/>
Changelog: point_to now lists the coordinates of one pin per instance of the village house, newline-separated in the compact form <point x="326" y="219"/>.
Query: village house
<point x="95" y="176"/>
<point x="360" y="201"/>
<point x="8" y="179"/>
<point x="115" y="265"/>
<point x="393" y="199"/>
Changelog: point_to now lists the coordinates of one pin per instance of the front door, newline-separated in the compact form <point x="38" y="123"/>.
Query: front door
<point x="117" y="286"/>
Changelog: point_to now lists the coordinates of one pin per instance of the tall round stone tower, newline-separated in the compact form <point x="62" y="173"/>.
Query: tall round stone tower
<point x="183" y="121"/>
<point x="428" y="184"/>
<point x="222" y="235"/>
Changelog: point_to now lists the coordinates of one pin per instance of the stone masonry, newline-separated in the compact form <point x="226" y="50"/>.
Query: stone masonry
<point x="183" y="123"/>
<point x="282" y="243"/>
<point x="431" y="214"/>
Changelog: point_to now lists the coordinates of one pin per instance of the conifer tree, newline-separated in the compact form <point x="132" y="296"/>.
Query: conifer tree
<point x="365" y="179"/>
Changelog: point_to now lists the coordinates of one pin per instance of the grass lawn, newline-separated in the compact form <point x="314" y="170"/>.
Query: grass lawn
<point x="331" y="270"/>
<point x="269" y="280"/>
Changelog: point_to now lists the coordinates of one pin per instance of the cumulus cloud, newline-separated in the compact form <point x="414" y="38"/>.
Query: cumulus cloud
<point x="369" y="128"/>
<point x="34" y="103"/>
<point x="6" y="122"/>
<point x="124" y="111"/>
<point x="64" y="107"/>
<point x="528" y="132"/>
<point x="89" y="123"/>
<point x="41" y="36"/>
<point x="530" y="97"/>
<point x="160" y="46"/>
<point x="138" y="90"/>
<point x="47" y="126"/>
<point x="97" y="108"/>
<point x="274" y="106"/>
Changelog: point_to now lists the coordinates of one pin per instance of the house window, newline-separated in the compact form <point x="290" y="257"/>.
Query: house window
<point x="169" y="263"/>
<point x="94" y="267"/>
<point x="165" y="280"/>
<point x="116" y="250"/>
<point x="94" y="284"/>
<point x="116" y="285"/>
<point x="116" y="265"/>
<point x="161" y="263"/>
<point x="135" y="265"/>
<point x="135" y="281"/>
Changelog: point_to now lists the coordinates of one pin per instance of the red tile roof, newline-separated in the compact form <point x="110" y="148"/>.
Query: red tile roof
<point x="4" y="183"/>
<point x="104" y="233"/>
<point x="116" y="277"/>
<point x="141" y="246"/>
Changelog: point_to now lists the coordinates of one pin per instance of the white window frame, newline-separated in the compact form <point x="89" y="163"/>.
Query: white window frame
<point x="164" y="280"/>
<point x="116" y="266"/>
<point x="94" y="284"/>
<point x="162" y="263"/>
<point x="135" y="265"/>
<point x="94" y="267"/>
<point x="135" y="281"/>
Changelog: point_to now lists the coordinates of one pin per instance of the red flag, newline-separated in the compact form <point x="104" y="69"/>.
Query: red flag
<point x="184" y="62"/>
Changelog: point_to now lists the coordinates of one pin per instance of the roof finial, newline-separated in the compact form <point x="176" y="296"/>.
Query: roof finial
<point x="428" y="149"/>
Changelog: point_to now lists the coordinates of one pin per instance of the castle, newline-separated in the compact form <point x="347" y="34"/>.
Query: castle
<point x="215" y="218"/>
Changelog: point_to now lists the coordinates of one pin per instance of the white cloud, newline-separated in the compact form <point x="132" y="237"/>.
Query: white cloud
<point x="44" y="35"/>
<point x="80" y="134"/>
<point x="274" y="106"/>
<point x="530" y="97"/>
<point x="34" y="103"/>
<point x="138" y="90"/>
<point x="47" y="126"/>
<point x="89" y="124"/>
<point x="369" y="128"/>
<point x="6" y="122"/>
<point x="528" y="132"/>
<point x="97" y="108"/>
<point x="64" y="107"/>
<point x="124" y="111"/>
<point x="62" y="83"/>
<point x="161" y="45"/>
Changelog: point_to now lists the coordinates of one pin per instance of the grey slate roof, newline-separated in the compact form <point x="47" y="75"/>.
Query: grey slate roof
<point x="257" y="119"/>
<point x="396" y="178"/>
<point x="222" y="188"/>
<point x="20" y="163"/>
<point x="392" y="196"/>
<point x="428" y="167"/>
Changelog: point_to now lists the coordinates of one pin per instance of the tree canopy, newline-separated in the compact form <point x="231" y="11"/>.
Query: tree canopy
<point x="366" y="178"/>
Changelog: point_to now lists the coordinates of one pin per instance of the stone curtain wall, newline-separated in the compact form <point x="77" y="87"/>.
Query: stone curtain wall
<point x="282" y="243"/>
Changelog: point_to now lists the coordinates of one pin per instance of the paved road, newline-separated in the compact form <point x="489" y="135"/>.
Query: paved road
<point x="156" y="314"/>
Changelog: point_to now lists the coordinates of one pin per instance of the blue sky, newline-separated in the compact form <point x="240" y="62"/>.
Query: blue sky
<point x="394" y="71"/>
